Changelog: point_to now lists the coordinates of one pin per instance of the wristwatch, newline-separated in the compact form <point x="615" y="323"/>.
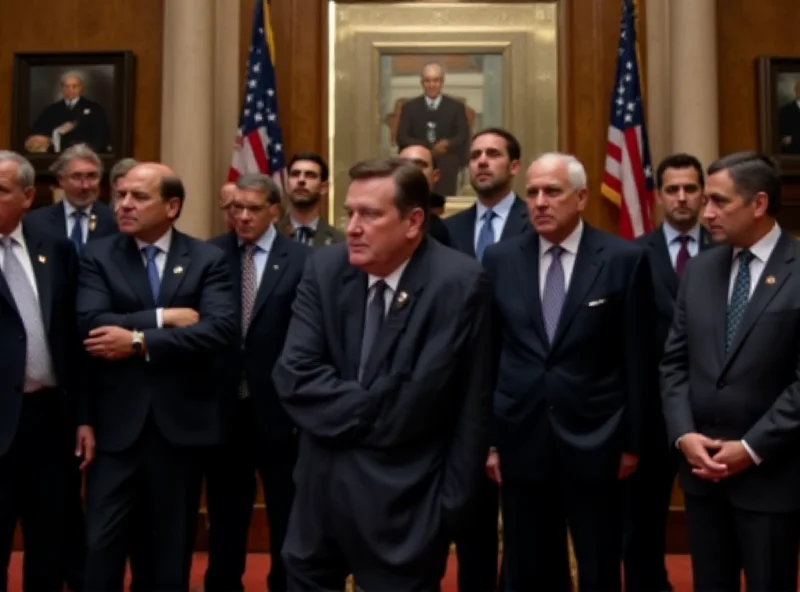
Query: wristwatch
<point x="137" y="342"/>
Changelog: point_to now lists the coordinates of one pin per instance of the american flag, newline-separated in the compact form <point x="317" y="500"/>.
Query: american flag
<point x="628" y="178"/>
<point x="259" y="145"/>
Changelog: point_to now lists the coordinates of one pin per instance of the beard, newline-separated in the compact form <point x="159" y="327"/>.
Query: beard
<point x="304" y="201"/>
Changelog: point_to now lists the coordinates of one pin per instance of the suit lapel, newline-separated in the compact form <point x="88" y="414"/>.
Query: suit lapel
<point x="58" y="220"/>
<point x="234" y="257"/>
<point x="276" y="265"/>
<point x="588" y="264"/>
<point x="351" y="304"/>
<point x="405" y="298"/>
<point x="177" y="263"/>
<point x="464" y="231"/>
<point x="517" y="222"/>
<point x="662" y="262"/>
<point x="776" y="272"/>
<point x="324" y="235"/>
<point x="41" y="262"/>
<point x="131" y="266"/>
<point x="528" y="276"/>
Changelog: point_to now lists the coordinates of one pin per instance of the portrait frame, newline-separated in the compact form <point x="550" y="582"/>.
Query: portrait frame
<point x="36" y="77"/>
<point x="525" y="37"/>
<point x="775" y="75"/>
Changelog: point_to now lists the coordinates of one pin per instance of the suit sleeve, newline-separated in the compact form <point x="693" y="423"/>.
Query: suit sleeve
<point x="639" y="356"/>
<point x="215" y="330"/>
<point x="674" y="370"/>
<point x="404" y="135"/>
<point x="77" y="358"/>
<point x="95" y="306"/>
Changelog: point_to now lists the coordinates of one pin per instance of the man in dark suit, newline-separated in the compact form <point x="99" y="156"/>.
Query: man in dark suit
<point x="679" y="193"/>
<point x="387" y="371"/>
<point x="70" y="121"/>
<point x="439" y="122"/>
<point x="155" y="308"/>
<point x="574" y="305"/>
<point x="498" y="214"/>
<point x="79" y="216"/>
<point x="423" y="157"/>
<point x="789" y="124"/>
<point x="40" y="401"/>
<point x="730" y="385"/>
<point x="258" y="434"/>
<point x="306" y="185"/>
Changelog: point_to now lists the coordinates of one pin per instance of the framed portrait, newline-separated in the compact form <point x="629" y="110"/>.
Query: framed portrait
<point x="490" y="64"/>
<point x="779" y="111"/>
<point x="63" y="99"/>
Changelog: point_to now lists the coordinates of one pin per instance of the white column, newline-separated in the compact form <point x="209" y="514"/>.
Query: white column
<point x="657" y="93"/>
<point x="187" y="107"/>
<point x="694" y="96"/>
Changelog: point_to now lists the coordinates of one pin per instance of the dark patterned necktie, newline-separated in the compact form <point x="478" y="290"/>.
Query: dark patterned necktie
<point x="248" y="301"/>
<point x="304" y="234"/>
<point x="76" y="236"/>
<point x="683" y="254"/>
<point x="153" y="277"/>
<point x="373" y="321"/>
<point x="739" y="298"/>
<point x="554" y="292"/>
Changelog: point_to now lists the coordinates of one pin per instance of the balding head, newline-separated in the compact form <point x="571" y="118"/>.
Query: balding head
<point x="422" y="157"/>
<point x="432" y="79"/>
<point x="226" y="196"/>
<point x="149" y="201"/>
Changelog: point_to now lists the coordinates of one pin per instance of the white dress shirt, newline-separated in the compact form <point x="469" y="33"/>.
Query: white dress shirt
<point x="392" y="281"/>
<point x="501" y="210"/>
<point x="433" y="103"/>
<point x="69" y="209"/>
<point x="313" y="225"/>
<point x="570" y="246"/>
<point x="163" y="245"/>
<point x="671" y="235"/>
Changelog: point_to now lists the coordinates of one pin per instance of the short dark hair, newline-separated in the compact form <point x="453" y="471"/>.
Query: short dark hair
<point x="312" y="157"/>
<point x="172" y="186"/>
<point x="262" y="183"/>
<point x="434" y="160"/>
<point x="411" y="186"/>
<point x="680" y="160"/>
<point x="512" y="144"/>
<point x="752" y="173"/>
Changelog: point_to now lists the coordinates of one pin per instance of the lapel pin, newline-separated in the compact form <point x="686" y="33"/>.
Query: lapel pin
<point x="770" y="280"/>
<point x="177" y="270"/>
<point x="328" y="241"/>
<point x="42" y="259"/>
<point x="401" y="301"/>
<point x="276" y="267"/>
<point x="92" y="222"/>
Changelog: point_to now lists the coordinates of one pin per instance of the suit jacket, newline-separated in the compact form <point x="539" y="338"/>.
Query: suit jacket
<point x="579" y="401"/>
<point x="789" y="125"/>
<point x="91" y="124"/>
<point x="254" y="356"/>
<point x="326" y="234"/>
<point x="438" y="230"/>
<point x="451" y="124"/>
<point x="175" y="381"/>
<point x="750" y="393"/>
<point x="461" y="226"/>
<point x="52" y="219"/>
<point x="55" y="265"/>
<point x="419" y="417"/>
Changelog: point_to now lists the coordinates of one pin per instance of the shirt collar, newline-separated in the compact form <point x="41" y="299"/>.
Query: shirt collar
<point x="392" y="280"/>
<point x="671" y="234"/>
<point x="16" y="234"/>
<point x="313" y="225"/>
<point x="266" y="240"/>
<point x="569" y="244"/>
<point x="501" y="210"/>
<point x="163" y="243"/>
<point x="765" y="245"/>
<point x="69" y="209"/>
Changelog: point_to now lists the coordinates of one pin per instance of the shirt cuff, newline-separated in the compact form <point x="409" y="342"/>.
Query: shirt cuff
<point x="756" y="459"/>
<point x="160" y="318"/>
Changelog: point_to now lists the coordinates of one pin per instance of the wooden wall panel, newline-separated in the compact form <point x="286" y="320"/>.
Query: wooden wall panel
<point x="90" y="25"/>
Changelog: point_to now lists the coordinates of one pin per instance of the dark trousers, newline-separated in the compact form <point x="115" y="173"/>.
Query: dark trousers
<point x="230" y="492"/>
<point x="723" y="540"/>
<point x="153" y="474"/>
<point x="477" y="544"/>
<point x="536" y="516"/>
<point x="647" y="496"/>
<point x="34" y="476"/>
<point x="75" y="535"/>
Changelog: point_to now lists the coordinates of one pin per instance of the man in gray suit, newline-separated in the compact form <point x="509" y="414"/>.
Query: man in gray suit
<point x="730" y="388"/>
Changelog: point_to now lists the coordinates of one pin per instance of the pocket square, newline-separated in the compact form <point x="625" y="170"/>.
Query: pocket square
<point x="596" y="302"/>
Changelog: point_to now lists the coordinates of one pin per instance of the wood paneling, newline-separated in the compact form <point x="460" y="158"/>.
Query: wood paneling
<point x="89" y="25"/>
<point x="746" y="31"/>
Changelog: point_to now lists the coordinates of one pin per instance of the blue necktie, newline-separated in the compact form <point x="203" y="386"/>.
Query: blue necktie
<point x="486" y="234"/>
<point x="739" y="298"/>
<point x="554" y="292"/>
<point x="153" y="278"/>
<point x="76" y="236"/>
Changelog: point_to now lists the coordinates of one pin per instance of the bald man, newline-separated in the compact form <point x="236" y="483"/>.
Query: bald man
<point x="226" y="195"/>
<point x="423" y="158"/>
<point x="439" y="122"/>
<point x="155" y="308"/>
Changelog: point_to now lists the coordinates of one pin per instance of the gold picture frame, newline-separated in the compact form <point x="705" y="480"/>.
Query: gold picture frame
<point x="523" y="39"/>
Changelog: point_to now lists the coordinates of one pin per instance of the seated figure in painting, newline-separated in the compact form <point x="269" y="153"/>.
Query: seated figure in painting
<point x="439" y="122"/>
<point x="789" y="123"/>
<point x="72" y="120"/>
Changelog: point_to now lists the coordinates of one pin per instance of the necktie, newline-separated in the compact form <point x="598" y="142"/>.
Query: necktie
<point x="248" y="300"/>
<point x="76" y="236"/>
<point x="683" y="254"/>
<point x="554" y="292"/>
<point x="304" y="234"/>
<point x="373" y="321"/>
<point x="486" y="234"/>
<point x="739" y="298"/>
<point x="38" y="368"/>
<point x="153" y="277"/>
